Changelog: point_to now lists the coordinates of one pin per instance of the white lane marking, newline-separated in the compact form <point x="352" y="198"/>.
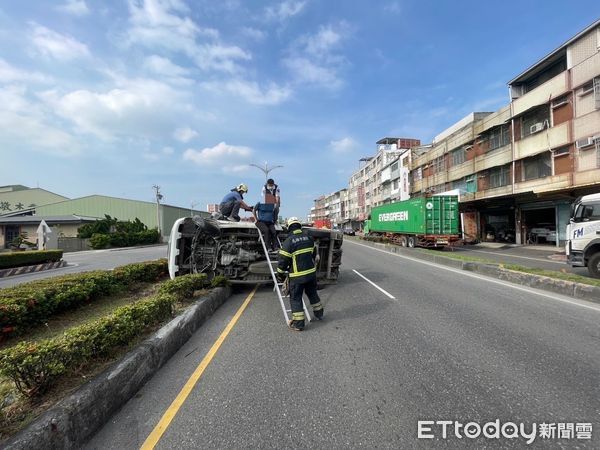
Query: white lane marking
<point x="515" y="256"/>
<point x="369" y="281"/>
<point x="483" y="278"/>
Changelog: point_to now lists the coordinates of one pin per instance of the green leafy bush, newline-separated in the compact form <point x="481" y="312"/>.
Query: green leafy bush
<point x="34" y="366"/>
<point x="27" y="305"/>
<point x="102" y="226"/>
<point x="99" y="241"/>
<point x="28" y="258"/>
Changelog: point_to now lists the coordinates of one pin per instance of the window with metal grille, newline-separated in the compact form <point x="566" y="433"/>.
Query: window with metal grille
<point x="499" y="176"/>
<point x="597" y="93"/>
<point x="535" y="120"/>
<point x="499" y="137"/>
<point x="538" y="166"/>
<point x="458" y="156"/>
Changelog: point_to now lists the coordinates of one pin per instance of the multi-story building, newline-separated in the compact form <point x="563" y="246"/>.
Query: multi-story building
<point x="332" y="208"/>
<point x="212" y="207"/>
<point x="377" y="182"/>
<point x="518" y="169"/>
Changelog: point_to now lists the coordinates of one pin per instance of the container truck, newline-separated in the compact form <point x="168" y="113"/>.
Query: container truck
<point x="583" y="234"/>
<point x="418" y="222"/>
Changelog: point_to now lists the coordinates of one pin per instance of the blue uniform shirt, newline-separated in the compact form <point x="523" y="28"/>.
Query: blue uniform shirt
<point x="233" y="195"/>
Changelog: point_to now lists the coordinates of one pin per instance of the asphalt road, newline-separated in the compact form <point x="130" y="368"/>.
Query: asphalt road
<point x="92" y="260"/>
<point x="449" y="345"/>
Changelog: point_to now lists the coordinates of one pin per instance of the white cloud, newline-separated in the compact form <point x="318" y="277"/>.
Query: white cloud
<point x="56" y="45"/>
<point x="254" y="33"/>
<point x="74" y="7"/>
<point x="306" y="71"/>
<point x="252" y="92"/>
<point x="185" y="134"/>
<point x="164" y="66"/>
<point x="138" y="107"/>
<point x="284" y="10"/>
<point x="313" y="59"/>
<point x="163" y="24"/>
<point x="237" y="169"/>
<point x="168" y="150"/>
<point x="344" y="145"/>
<point x="26" y="123"/>
<point x="393" y="8"/>
<point x="221" y="153"/>
<point x="9" y="74"/>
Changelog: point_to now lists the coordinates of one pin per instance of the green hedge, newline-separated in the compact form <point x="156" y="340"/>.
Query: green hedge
<point x="29" y="258"/>
<point x="124" y="239"/>
<point x="34" y="366"/>
<point x="27" y="305"/>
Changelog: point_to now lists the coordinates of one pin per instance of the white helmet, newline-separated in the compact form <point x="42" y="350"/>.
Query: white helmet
<point x="293" y="220"/>
<point x="242" y="188"/>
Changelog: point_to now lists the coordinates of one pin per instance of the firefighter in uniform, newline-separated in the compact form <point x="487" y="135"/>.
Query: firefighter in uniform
<point x="297" y="256"/>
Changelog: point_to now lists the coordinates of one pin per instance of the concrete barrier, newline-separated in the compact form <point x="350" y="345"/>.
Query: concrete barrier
<point x="76" y="418"/>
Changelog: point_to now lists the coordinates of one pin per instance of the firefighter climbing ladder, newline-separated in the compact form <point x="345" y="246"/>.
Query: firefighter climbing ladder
<point x="277" y="285"/>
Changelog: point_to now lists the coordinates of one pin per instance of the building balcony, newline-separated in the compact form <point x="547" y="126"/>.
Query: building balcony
<point x="460" y="171"/>
<point x="542" y="141"/>
<point x="587" y="177"/>
<point x="494" y="158"/>
<point x="588" y="125"/>
<point x="493" y="120"/>
<point x="552" y="88"/>
<point x="586" y="70"/>
<point x="417" y="186"/>
<point x="494" y="192"/>
<point x="440" y="178"/>
<point x="550" y="183"/>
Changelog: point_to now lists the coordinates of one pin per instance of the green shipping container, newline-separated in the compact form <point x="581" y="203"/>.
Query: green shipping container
<point x="436" y="215"/>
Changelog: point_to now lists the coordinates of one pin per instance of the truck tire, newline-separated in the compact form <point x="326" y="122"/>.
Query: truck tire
<point x="411" y="242"/>
<point x="403" y="241"/>
<point x="594" y="265"/>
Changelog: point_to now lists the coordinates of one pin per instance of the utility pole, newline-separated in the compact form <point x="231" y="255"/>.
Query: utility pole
<point x="266" y="169"/>
<point x="159" y="197"/>
<point x="192" y="206"/>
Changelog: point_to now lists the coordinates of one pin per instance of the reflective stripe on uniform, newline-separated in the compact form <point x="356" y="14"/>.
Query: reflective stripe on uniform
<point x="297" y="232"/>
<point x="280" y="271"/>
<point x="298" y="315"/>
<point x="284" y="253"/>
<point x="317" y="306"/>
<point x="304" y="272"/>
<point x="303" y="250"/>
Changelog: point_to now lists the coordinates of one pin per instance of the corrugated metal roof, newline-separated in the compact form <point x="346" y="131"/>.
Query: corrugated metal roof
<point x="49" y="219"/>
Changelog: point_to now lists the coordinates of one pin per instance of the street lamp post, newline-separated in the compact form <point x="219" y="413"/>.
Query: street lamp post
<point x="266" y="169"/>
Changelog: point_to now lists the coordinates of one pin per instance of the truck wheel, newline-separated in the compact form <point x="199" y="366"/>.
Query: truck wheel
<point x="594" y="265"/>
<point x="411" y="242"/>
<point x="403" y="241"/>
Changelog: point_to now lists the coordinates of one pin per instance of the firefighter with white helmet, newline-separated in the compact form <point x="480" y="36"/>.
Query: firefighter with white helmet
<point x="233" y="201"/>
<point x="297" y="258"/>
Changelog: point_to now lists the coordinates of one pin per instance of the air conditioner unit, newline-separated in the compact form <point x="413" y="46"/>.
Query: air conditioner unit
<point x="585" y="142"/>
<point x="536" y="127"/>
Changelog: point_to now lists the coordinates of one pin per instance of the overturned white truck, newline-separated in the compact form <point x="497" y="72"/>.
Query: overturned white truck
<point x="233" y="249"/>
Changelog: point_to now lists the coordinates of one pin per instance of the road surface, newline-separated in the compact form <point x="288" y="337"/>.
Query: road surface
<point x="92" y="260"/>
<point x="414" y="342"/>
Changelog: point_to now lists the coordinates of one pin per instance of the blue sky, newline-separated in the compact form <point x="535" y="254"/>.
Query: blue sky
<point x="111" y="97"/>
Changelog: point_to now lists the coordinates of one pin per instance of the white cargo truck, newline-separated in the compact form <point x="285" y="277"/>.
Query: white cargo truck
<point x="583" y="234"/>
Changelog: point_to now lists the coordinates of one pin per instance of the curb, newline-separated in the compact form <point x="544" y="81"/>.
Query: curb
<point x="4" y="273"/>
<point x="563" y="287"/>
<point x="75" y="419"/>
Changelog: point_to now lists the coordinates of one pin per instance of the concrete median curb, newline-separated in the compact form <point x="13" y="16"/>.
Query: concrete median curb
<point x="76" y="418"/>
<point x="563" y="287"/>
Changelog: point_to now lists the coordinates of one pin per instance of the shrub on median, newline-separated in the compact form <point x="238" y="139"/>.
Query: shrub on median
<point x="34" y="366"/>
<point x="29" y="258"/>
<point x="27" y="305"/>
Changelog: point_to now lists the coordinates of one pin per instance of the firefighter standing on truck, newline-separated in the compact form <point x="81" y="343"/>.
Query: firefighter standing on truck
<point x="297" y="256"/>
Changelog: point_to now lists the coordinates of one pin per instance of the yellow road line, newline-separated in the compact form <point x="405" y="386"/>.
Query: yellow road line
<point x="172" y="410"/>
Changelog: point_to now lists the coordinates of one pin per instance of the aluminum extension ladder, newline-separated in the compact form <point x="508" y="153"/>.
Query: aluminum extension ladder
<point x="277" y="285"/>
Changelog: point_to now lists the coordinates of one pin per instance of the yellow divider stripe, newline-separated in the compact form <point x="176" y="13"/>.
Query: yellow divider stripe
<point x="172" y="410"/>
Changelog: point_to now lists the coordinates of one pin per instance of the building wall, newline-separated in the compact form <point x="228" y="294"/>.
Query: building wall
<point x="27" y="198"/>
